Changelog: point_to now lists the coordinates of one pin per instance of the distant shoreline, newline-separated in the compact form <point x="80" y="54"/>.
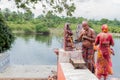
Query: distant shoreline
<point x="116" y="34"/>
<point x="59" y="31"/>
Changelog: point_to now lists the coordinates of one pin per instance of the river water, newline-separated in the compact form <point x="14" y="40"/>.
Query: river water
<point x="39" y="50"/>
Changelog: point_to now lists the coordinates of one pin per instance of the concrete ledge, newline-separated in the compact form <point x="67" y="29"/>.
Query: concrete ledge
<point x="64" y="56"/>
<point x="66" y="70"/>
<point x="76" y="74"/>
<point x="28" y="72"/>
<point x="4" y="61"/>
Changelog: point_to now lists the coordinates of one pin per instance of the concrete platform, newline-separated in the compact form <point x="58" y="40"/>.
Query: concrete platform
<point x="28" y="72"/>
<point x="66" y="70"/>
<point x="76" y="74"/>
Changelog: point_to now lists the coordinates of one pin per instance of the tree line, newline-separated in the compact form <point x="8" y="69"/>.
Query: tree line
<point x="26" y="22"/>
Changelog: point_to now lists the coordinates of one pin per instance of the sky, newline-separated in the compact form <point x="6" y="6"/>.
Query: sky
<point x="90" y="9"/>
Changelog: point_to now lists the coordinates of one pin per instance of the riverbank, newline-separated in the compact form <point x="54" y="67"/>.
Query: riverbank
<point x="116" y="34"/>
<point x="57" y="32"/>
<point x="60" y="31"/>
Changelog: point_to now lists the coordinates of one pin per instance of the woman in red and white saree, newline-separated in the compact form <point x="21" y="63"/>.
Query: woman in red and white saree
<point x="104" y="64"/>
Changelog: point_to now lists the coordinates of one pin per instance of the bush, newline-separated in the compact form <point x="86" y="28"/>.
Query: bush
<point x="6" y="36"/>
<point x="42" y="28"/>
<point x="28" y="30"/>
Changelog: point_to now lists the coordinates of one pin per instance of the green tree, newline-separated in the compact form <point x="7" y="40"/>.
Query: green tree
<point x="20" y="17"/>
<point x="6" y="37"/>
<point x="116" y="22"/>
<point x="13" y="16"/>
<point x="55" y="6"/>
<point x="42" y="28"/>
<point x="28" y="15"/>
<point x="6" y="13"/>
<point x="104" y="21"/>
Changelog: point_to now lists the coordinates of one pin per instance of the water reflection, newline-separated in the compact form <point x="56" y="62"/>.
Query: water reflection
<point x="26" y="37"/>
<point x="34" y="50"/>
<point x="44" y="39"/>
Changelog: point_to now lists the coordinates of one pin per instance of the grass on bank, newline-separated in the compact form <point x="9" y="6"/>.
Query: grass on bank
<point x="29" y="27"/>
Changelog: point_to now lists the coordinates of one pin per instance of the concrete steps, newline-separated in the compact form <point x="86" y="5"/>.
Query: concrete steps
<point x="28" y="72"/>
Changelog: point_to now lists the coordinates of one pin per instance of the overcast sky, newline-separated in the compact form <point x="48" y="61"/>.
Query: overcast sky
<point x="91" y="9"/>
